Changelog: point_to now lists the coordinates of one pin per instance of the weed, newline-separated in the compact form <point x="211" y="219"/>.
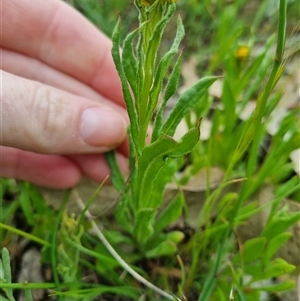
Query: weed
<point x="211" y="262"/>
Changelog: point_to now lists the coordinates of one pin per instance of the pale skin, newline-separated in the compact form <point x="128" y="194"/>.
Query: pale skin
<point x="61" y="99"/>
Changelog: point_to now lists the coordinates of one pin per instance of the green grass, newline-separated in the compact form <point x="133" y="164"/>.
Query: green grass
<point x="211" y="260"/>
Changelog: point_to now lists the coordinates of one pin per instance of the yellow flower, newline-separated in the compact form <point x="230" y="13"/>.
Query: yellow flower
<point x="242" y="53"/>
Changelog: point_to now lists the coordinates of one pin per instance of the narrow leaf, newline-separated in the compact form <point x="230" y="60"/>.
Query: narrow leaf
<point x="173" y="81"/>
<point x="155" y="39"/>
<point x="122" y="212"/>
<point x="26" y="203"/>
<point x="129" y="61"/>
<point x="6" y="265"/>
<point x="2" y="275"/>
<point x="153" y="159"/>
<point x="7" y="272"/>
<point x="117" y="177"/>
<point x="170" y="214"/>
<point x="274" y="245"/>
<point x="163" y="66"/>
<point x="28" y="295"/>
<point x="143" y="227"/>
<point x="170" y="90"/>
<point x="253" y="249"/>
<point x="167" y="247"/>
<point x="280" y="224"/>
<point x="185" y="103"/>
<point x="164" y="176"/>
<point x="126" y="92"/>
<point x="276" y="268"/>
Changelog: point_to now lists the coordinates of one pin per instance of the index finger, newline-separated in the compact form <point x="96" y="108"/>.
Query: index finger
<point x="59" y="36"/>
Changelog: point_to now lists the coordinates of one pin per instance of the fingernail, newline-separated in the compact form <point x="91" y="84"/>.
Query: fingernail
<point x="102" y="127"/>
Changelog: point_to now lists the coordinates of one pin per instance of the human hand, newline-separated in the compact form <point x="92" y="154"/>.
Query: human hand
<point x="61" y="103"/>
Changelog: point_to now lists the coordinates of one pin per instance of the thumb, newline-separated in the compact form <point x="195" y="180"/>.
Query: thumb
<point x="43" y="119"/>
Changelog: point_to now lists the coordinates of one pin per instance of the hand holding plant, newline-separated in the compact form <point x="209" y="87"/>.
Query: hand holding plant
<point x="214" y="261"/>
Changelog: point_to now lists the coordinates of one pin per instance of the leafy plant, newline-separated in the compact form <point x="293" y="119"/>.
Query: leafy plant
<point x="142" y="74"/>
<point x="212" y="261"/>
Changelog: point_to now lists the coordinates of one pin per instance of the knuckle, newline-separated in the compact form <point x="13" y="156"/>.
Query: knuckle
<point x="50" y="115"/>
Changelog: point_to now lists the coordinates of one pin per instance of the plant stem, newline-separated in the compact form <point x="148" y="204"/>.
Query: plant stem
<point x="26" y="235"/>
<point x="30" y="285"/>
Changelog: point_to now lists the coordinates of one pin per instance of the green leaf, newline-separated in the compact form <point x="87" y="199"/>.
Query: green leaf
<point x="276" y="268"/>
<point x="5" y="271"/>
<point x="163" y="177"/>
<point x="143" y="227"/>
<point x="149" y="42"/>
<point x="163" y="244"/>
<point x="253" y="249"/>
<point x="2" y="275"/>
<point x="28" y="295"/>
<point x="172" y="84"/>
<point x="38" y="201"/>
<point x="163" y="148"/>
<point x="122" y="212"/>
<point x="170" y="90"/>
<point x="162" y="68"/>
<point x="185" y="103"/>
<point x="165" y="248"/>
<point x="253" y="269"/>
<point x="117" y="177"/>
<point x="274" y="245"/>
<point x="288" y="187"/>
<point x="250" y="210"/>
<point x="169" y="214"/>
<point x="129" y="61"/>
<point x="126" y="92"/>
<point x="221" y="294"/>
<point x="242" y="294"/>
<point x="154" y="40"/>
<point x="6" y="265"/>
<point x="280" y="223"/>
<point x="175" y="236"/>
<point x="278" y="287"/>
<point x="153" y="159"/>
<point x="26" y="203"/>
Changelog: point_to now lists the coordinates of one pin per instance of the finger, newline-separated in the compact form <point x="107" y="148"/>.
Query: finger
<point x="42" y="119"/>
<point x="44" y="170"/>
<point x="95" y="166"/>
<point x="123" y="148"/>
<point x="58" y="35"/>
<point x="33" y="69"/>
